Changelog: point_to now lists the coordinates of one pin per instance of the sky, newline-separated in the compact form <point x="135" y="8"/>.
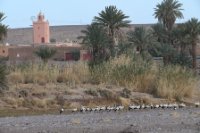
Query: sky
<point x="21" y="13"/>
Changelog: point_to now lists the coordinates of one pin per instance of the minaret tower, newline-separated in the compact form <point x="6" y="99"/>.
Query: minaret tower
<point x="40" y="30"/>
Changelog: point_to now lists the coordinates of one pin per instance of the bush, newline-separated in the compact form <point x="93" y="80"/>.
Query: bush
<point x="60" y="78"/>
<point x="15" y="77"/>
<point x="91" y="92"/>
<point x="105" y="93"/>
<point x="126" y="93"/>
<point x="45" y="53"/>
<point x="60" y="100"/>
<point x="23" y="93"/>
<point x="183" y="60"/>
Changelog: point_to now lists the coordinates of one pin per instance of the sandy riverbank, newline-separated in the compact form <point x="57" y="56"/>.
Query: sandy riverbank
<point x="185" y="120"/>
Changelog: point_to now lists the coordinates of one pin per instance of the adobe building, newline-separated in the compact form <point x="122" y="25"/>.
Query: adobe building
<point x="65" y="51"/>
<point x="41" y="30"/>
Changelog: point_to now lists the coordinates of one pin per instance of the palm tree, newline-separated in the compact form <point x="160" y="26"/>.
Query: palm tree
<point x="112" y="19"/>
<point x="142" y="38"/>
<point x="3" y="32"/>
<point x="167" y="12"/>
<point x="96" y="39"/>
<point x="45" y="53"/>
<point x="160" y="33"/>
<point x="193" y="30"/>
<point x="163" y="47"/>
<point x="3" y="28"/>
<point x="180" y="38"/>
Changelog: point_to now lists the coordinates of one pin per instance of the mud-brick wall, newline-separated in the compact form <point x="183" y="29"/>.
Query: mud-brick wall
<point x="22" y="53"/>
<point x="62" y="50"/>
<point x="3" y="51"/>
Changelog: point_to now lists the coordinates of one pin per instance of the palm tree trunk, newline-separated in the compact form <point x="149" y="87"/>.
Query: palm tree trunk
<point x="182" y="49"/>
<point x="166" y="60"/>
<point x="194" y="62"/>
<point x="112" y="42"/>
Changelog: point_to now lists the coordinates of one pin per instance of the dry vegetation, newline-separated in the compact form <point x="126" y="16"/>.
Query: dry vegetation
<point x="122" y="80"/>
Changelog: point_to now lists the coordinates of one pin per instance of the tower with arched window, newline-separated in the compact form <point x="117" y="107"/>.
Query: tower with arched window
<point x="40" y="30"/>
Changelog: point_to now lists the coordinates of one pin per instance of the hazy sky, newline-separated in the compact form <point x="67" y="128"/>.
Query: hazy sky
<point x="75" y="12"/>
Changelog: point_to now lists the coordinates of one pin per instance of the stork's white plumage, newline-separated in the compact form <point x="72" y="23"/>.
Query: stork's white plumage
<point x="83" y="109"/>
<point x="156" y="106"/>
<point x="165" y="106"/>
<point x="197" y="104"/>
<point x="170" y="105"/>
<point x="61" y="110"/>
<point x="103" y="108"/>
<point x="121" y="107"/>
<point x="175" y="106"/>
<point x="182" y="105"/>
<point x="74" y="110"/>
<point x="142" y="106"/>
<point x="130" y="107"/>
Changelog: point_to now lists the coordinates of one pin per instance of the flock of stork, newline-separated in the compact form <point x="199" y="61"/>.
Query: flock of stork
<point x="130" y="107"/>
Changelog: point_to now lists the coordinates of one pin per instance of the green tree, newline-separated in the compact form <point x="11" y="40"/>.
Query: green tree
<point x="112" y="19"/>
<point x="180" y="38"/>
<point x="167" y="12"/>
<point x="178" y="53"/>
<point x="45" y="53"/>
<point x="3" y="28"/>
<point x="96" y="40"/>
<point x="160" y="33"/>
<point x="163" y="47"/>
<point x="142" y="39"/>
<point x="193" y="30"/>
<point x="3" y="33"/>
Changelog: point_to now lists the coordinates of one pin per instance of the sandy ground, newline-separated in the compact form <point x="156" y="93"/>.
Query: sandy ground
<point x="185" y="120"/>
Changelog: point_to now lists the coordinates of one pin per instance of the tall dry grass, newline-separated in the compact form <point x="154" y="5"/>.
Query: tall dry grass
<point x="133" y="72"/>
<point x="175" y="82"/>
<point x="76" y="73"/>
<point x="171" y="82"/>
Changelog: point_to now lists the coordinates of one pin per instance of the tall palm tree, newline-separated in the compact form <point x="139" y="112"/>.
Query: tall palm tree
<point x="193" y="30"/>
<point x="96" y="39"/>
<point x="112" y="19"/>
<point x="180" y="38"/>
<point x="3" y="28"/>
<point x="3" y="33"/>
<point x="45" y="53"/>
<point x="164" y="48"/>
<point x="160" y="33"/>
<point x="142" y="38"/>
<point x="167" y="12"/>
